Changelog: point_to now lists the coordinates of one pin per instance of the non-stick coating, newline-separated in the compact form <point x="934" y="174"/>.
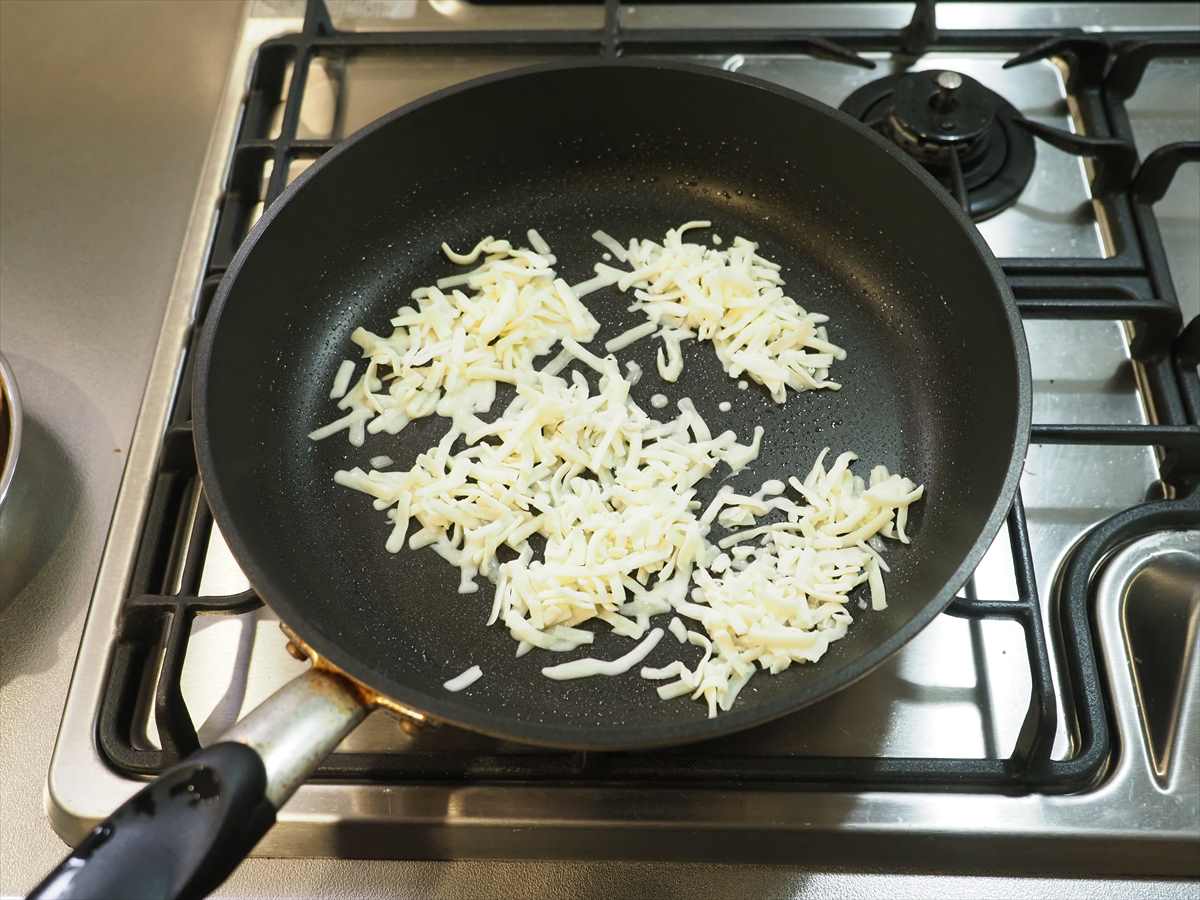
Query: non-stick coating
<point x="936" y="382"/>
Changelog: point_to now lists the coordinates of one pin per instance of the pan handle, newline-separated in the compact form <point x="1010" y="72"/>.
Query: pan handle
<point x="185" y="832"/>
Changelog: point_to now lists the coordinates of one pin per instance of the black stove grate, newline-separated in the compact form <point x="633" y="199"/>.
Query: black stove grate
<point x="1134" y="286"/>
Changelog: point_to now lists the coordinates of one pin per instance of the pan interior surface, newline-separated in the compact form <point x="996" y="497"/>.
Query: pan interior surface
<point x="933" y="378"/>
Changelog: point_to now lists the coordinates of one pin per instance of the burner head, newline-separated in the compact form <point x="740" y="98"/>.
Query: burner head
<point x="933" y="114"/>
<point x="940" y="111"/>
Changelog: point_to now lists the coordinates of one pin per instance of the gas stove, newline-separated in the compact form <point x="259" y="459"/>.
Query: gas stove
<point x="1052" y="711"/>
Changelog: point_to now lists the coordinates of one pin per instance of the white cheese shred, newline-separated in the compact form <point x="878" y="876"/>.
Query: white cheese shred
<point x="587" y="667"/>
<point x="636" y="333"/>
<point x="537" y="243"/>
<point x="465" y="680"/>
<point x="341" y="381"/>
<point x="610" y="244"/>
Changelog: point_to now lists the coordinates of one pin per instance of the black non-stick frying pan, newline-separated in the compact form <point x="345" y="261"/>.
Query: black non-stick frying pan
<point x="936" y="387"/>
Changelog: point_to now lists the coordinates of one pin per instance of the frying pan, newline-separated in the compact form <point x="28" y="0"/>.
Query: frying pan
<point x="936" y="387"/>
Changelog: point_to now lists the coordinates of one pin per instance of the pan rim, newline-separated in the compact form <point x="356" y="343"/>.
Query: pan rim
<point x="446" y="708"/>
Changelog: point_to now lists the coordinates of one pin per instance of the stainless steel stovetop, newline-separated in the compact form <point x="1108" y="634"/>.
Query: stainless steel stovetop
<point x="961" y="689"/>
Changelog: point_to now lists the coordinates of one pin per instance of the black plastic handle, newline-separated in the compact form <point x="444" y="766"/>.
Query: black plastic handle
<point x="179" y="837"/>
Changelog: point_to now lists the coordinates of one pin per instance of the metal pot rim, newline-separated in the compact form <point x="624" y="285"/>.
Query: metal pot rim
<point x="12" y="410"/>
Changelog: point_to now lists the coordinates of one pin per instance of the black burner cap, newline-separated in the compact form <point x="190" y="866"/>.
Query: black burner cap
<point x="942" y="109"/>
<point x="934" y="113"/>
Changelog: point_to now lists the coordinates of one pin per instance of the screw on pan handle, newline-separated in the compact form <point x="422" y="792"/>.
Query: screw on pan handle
<point x="179" y="837"/>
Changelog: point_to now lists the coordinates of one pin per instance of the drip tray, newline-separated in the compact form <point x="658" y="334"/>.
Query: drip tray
<point x="1158" y="581"/>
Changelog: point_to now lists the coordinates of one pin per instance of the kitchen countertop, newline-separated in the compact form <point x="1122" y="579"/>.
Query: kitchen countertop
<point x="105" y="111"/>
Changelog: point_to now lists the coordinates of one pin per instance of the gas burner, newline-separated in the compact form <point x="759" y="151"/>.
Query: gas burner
<point x="963" y="133"/>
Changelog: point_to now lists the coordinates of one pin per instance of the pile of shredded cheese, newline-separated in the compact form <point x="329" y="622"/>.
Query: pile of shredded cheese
<point x="606" y="491"/>
<point x="732" y="297"/>
<point x="783" y="599"/>
<point x="610" y="489"/>
<point x="447" y="354"/>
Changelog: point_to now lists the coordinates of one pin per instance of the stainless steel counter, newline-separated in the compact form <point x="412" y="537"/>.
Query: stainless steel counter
<point x="107" y="108"/>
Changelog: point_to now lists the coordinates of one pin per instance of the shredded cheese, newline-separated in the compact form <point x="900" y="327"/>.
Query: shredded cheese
<point x="341" y="381"/>
<point x="447" y="354"/>
<point x="636" y="333"/>
<point x="732" y="297"/>
<point x="610" y="491"/>
<point x="465" y="680"/>
<point x="587" y="667"/>
<point x="784" y="600"/>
